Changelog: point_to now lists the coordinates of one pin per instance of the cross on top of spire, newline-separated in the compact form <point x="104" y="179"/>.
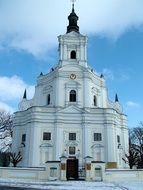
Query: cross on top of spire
<point x="73" y="1"/>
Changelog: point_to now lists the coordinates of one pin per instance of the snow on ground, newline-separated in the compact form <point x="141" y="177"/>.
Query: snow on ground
<point x="74" y="185"/>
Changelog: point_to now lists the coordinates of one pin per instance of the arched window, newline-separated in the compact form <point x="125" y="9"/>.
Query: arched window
<point x="48" y="99"/>
<point x="94" y="101"/>
<point x="72" y="95"/>
<point x="73" y="54"/>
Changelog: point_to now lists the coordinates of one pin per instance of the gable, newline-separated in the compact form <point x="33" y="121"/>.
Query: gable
<point x="72" y="109"/>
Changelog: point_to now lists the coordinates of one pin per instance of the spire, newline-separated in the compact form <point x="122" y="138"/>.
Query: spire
<point x="116" y="98"/>
<point x="25" y="95"/>
<point x="101" y="76"/>
<point x="73" y="5"/>
<point x="73" y="18"/>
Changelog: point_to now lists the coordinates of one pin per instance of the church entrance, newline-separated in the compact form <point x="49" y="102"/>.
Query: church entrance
<point x="72" y="168"/>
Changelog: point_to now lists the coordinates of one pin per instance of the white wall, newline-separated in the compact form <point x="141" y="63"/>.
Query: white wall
<point x="52" y="172"/>
<point x="32" y="174"/>
<point x="123" y="175"/>
<point x="27" y="174"/>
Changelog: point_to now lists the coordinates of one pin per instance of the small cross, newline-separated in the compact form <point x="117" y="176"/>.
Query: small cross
<point x="73" y="1"/>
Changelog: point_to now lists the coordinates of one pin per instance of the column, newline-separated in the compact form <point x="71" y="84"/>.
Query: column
<point x="58" y="145"/>
<point x="88" y="176"/>
<point x="63" y="168"/>
<point x="87" y="92"/>
<point x="111" y="146"/>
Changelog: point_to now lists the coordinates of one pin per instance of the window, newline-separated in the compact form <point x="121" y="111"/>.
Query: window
<point x="95" y="101"/>
<point x="23" y="138"/>
<point x="73" y="54"/>
<point x="48" y="99"/>
<point x="118" y="139"/>
<point x="97" y="137"/>
<point x="72" y="136"/>
<point x="98" y="172"/>
<point x="46" y="136"/>
<point x="72" y="96"/>
<point x="72" y="150"/>
<point x="53" y="172"/>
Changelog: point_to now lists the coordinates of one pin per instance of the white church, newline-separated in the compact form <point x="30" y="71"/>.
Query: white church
<point x="70" y="117"/>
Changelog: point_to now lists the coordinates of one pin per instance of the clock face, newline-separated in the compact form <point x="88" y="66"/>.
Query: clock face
<point x="72" y="76"/>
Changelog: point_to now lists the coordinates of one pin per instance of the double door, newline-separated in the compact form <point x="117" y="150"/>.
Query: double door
<point x="72" y="168"/>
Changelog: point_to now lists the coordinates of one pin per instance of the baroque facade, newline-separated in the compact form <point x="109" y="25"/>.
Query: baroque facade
<point x="70" y="114"/>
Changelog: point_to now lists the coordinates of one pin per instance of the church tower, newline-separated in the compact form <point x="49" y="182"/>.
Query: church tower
<point x="73" y="45"/>
<point x="70" y="115"/>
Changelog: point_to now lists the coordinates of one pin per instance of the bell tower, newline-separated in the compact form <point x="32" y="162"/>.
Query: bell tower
<point x="73" y="45"/>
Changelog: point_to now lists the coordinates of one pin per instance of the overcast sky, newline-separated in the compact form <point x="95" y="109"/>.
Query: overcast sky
<point x="28" y="45"/>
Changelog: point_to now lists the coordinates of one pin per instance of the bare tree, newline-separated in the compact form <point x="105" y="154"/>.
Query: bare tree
<point x="4" y="159"/>
<point x="6" y="124"/>
<point x="15" y="158"/>
<point x="6" y="121"/>
<point x="137" y="142"/>
<point x="132" y="158"/>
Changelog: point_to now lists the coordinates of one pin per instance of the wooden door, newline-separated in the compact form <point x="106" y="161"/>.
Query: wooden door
<point x="72" y="169"/>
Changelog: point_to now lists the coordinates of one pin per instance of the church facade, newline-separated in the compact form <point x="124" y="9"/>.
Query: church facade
<point x="70" y="115"/>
